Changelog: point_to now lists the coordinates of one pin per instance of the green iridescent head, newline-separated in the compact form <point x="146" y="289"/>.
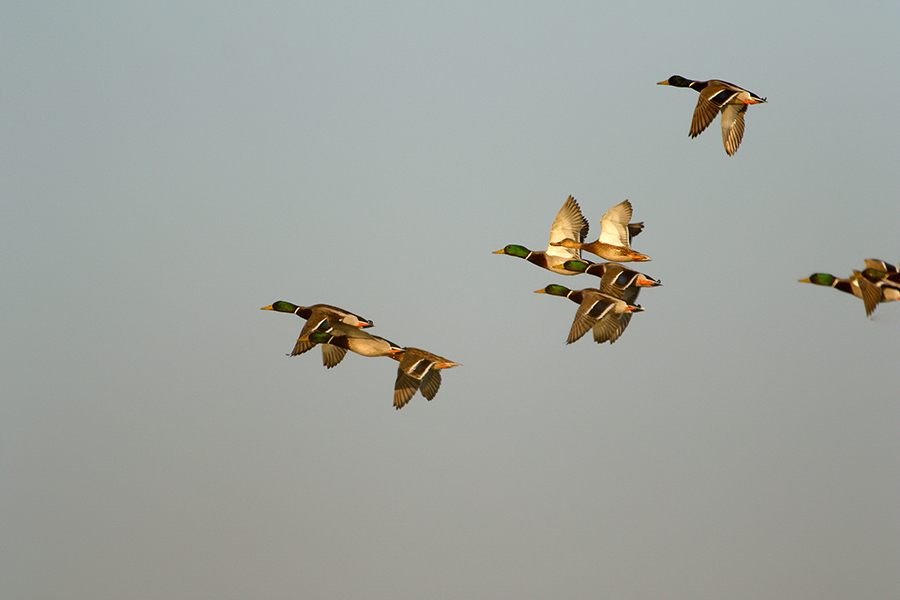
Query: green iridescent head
<point x="579" y="266"/>
<point x="874" y="275"/>
<point x="319" y="337"/>
<point x="281" y="306"/>
<point x="820" y="279"/>
<point x="676" y="81"/>
<point x="554" y="290"/>
<point x="514" y="250"/>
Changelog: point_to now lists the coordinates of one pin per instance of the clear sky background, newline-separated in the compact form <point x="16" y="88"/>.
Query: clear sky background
<point x="170" y="168"/>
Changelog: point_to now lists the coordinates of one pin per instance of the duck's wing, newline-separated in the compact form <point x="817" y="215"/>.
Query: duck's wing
<point x="712" y="98"/>
<point x="624" y="320"/>
<point x="704" y="114"/>
<point x="634" y="229"/>
<point x="302" y="346"/>
<point x="404" y="388"/>
<point x="416" y="364"/>
<point x="580" y="326"/>
<point x="593" y="307"/>
<point x="332" y="355"/>
<point x="616" y="279"/>
<point x="431" y="383"/>
<point x="321" y="320"/>
<point x="335" y="313"/>
<point x="733" y="126"/>
<point x="614" y="225"/>
<point x="569" y="223"/>
<point x="318" y="319"/>
<point x="871" y="293"/>
<point x="608" y="328"/>
<point x="874" y="263"/>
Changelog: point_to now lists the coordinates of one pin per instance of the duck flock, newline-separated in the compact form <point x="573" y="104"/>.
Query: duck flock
<point x="606" y="309"/>
<point x="338" y="330"/>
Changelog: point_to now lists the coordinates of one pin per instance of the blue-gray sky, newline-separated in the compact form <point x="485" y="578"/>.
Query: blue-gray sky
<point x="167" y="170"/>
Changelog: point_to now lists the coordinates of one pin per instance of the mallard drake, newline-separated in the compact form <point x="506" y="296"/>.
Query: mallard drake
<point x="623" y="275"/>
<point x="343" y="337"/>
<point x="418" y="369"/>
<point x="616" y="232"/>
<point x="617" y="281"/>
<point x="830" y="280"/>
<point x="569" y="223"/>
<point x="857" y="285"/>
<point x="315" y="315"/>
<point x="716" y="96"/>
<point x="595" y="310"/>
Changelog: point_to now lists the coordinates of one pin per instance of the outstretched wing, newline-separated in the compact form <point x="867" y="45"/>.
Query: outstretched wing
<point x="332" y="355"/>
<point x="712" y="98"/>
<point x="614" y="225"/>
<point x="431" y="383"/>
<point x="733" y="126"/>
<point x="593" y="307"/>
<point x="569" y="223"/>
